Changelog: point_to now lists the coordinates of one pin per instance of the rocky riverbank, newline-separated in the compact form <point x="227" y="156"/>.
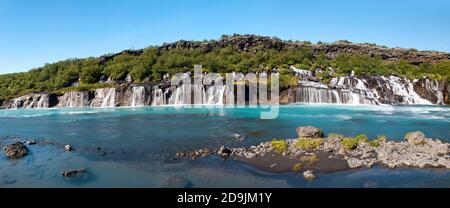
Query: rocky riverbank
<point x="312" y="153"/>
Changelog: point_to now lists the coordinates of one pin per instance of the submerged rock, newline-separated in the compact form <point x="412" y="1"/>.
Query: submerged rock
<point x="68" y="148"/>
<point x="309" y="132"/>
<point x="74" y="172"/>
<point x="195" y="154"/>
<point x="238" y="137"/>
<point x="16" y="150"/>
<point x="31" y="142"/>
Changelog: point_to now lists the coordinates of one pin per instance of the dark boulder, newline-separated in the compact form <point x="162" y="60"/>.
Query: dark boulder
<point x="16" y="150"/>
<point x="74" y="172"/>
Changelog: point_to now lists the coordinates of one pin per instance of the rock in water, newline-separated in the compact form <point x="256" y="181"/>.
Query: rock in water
<point x="238" y="137"/>
<point x="16" y="150"/>
<point x="224" y="152"/>
<point x="68" y="148"/>
<point x="309" y="175"/>
<point x="415" y="138"/>
<point x="354" y="163"/>
<point x="31" y="142"/>
<point x="73" y="172"/>
<point x="309" y="132"/>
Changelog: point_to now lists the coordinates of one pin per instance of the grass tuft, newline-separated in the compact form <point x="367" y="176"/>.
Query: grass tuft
<point x="309" y="143"/>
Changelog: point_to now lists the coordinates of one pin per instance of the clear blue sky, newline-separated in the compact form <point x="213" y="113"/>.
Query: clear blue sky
<point x="33" y="33"/>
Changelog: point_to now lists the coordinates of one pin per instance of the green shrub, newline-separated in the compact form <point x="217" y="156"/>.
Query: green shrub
<point x="84" y="87"/>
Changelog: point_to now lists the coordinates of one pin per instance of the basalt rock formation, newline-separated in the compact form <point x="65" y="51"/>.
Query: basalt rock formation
<point x="370" y="90"/>
<point x="331" y="50"/>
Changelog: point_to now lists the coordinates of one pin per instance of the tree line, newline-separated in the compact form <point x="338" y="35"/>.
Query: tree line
<point x="151" y="64"/>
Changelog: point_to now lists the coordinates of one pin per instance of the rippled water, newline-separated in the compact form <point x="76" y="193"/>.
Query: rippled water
<point x="140" y="144"/>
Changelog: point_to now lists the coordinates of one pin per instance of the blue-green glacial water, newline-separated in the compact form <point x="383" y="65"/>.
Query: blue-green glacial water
<point x="140" y="144"/>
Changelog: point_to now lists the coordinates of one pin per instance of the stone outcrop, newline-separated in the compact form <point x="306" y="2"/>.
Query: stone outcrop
<point x="309" y="175"/>
<point x="415" y="138"/>
<point x="16" y="150"/>
<point x="433" y="90"/>
<point x="35" y="100"/>
<point x="413" y="56"/>
<point x="331" y="50"/>
<point x="242" y="42"/>
<point x="309" y="132"/>
<point x="415" y="151"/>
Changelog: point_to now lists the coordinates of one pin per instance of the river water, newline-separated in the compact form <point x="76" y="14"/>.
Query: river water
<point x="140" y="144"/>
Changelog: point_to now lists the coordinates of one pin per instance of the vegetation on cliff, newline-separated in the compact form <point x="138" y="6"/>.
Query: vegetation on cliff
<point x="152" y="63"/>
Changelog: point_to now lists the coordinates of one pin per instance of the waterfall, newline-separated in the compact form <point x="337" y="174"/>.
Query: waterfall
<point x="75" y="99"/>
<point x="109" y="99"/>
<point x="104" y="98"/>
<point x="314" y="92"/>
<point x="323" y="96"/>
<point x="138" y="96"/>
<point x="215" y="95"/>
<point x="191" y="94"/>
<point x="41" y="100"/>
<point x="405" y="89"/>
<point x="301" y="72"/>
<point x="199" y="97"/>
<point x="390" y="89"/>
<point x="181" y="96"/>
<point x="432" y="86"/>
<point x="44" y="101"/>
<point x="158" y="97"/>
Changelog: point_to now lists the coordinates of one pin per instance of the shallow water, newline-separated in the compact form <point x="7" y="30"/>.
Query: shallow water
<point x="140" y="144"/>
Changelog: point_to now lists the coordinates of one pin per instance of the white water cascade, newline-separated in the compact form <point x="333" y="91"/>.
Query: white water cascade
<point x="314" y="92"/>
<point x="75" y="99"/>
<point x="138" y="96"/>
<point x="215" y="95"/>
<point x="181" y="95"/>
<point x="433" y="87"/>
<point x="191" y="94"/>
<point x="405" y="89"/>
<point x="158" y="97"/>
<point x="104" y="98"/>
<point x="43" y="102"/>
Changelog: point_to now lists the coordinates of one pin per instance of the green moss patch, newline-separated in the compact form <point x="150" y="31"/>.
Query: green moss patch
<point x="279" y="146"/>
<point x="309" y="143"/>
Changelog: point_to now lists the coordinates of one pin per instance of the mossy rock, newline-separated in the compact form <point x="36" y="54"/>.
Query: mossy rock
<point x="309" y="143"/>
<point x="279" y="146"/>
<point x="335" y="136"/>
